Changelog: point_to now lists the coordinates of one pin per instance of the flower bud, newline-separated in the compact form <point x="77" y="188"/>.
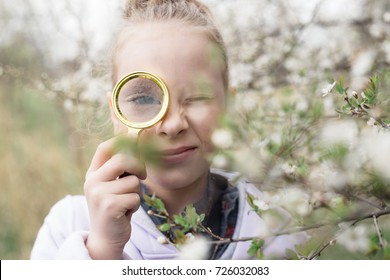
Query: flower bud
<point x="162" y="240"/>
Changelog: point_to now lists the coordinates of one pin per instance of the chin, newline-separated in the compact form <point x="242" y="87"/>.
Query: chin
<point x="177" y="178"/>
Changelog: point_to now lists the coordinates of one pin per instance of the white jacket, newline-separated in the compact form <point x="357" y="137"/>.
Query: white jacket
<point x="65" y="231"/>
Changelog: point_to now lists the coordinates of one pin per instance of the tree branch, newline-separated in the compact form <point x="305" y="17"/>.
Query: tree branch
<point x="355" y="220"/>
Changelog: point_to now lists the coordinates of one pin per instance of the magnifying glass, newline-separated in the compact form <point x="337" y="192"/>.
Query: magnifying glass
<point x="140" y="100"/>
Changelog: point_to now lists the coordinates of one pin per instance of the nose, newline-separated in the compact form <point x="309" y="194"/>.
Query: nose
<point x="174" y="122"/>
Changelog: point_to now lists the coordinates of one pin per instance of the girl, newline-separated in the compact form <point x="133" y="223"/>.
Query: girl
<point x="176" y="40"/>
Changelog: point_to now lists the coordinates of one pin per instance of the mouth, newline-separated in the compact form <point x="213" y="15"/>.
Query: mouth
<point x="177" y="155"/>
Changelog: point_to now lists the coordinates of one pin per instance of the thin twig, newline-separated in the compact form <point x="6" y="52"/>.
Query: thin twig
<point x="208" y="231"/>
<point x="381" y="243"/>
<point x="355" y="220"/>
<point x="318" y="253"/>
<point x="380" y="207"/>
<point x="378" y="120"/>
<point x="378" y="232"/>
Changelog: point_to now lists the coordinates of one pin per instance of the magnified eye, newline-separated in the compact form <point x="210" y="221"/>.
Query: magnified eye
<point x="139" y="98"/>
<point x="143" y="99"/>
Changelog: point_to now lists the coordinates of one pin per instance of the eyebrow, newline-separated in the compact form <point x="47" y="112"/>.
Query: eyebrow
<point x="141" y="84"/>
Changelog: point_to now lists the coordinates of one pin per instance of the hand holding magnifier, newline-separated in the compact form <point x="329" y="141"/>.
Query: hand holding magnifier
<point x="140" y="100"/>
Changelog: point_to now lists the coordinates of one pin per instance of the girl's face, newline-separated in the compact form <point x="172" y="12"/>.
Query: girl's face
<point x="181" y="55"/>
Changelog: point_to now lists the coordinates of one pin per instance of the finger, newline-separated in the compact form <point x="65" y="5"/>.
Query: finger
<point x="103" y="153"/>
<point x="125" y="185"/>
<point x="108" y="148"/>
<point x="121" y="205"/>
<point x="107" y="196"/>
<point x="118" y="165"/>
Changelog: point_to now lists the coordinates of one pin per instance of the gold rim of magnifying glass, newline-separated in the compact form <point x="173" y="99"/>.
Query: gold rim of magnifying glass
<point x="123" y="81"/>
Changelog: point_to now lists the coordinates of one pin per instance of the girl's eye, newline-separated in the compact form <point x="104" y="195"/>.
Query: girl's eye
<point x="199" y="98"/>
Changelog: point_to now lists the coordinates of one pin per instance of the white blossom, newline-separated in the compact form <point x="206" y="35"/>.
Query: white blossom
<point x="340" y="132"/>
<point x="332" y="11"/>
<point x="289" y="169"/>
<point x="247" y="102"/>
<point x="247" y="162"/>
<point x="267" y="201"/>
<point x="276" y="137"/>
<point x="296" y="200"/>
<point x="328" y="198"/>
<point x="325" y="177"/>
<point x="220" y="161"/>
<point x="363" y="62"/>
<point x="371" y="122"/>
<point x="355" y="239"/>
<point x="194" y="249"/>
<point x="386" y="17"/>
<point x="162" y="240"/>
<point x="328" y="89"/>
<point x="274" y="221"/>
<point x="352" y="94"/>
<point x="190" y="236"/>
<point x="377" y="150"/>
<point x="68" y="105"/>
<point x="302" y="104"/>
<point x="386" y="50"/>
<point x="241" y="75"/>
<point x="336" y="201"/>
<point x="222" y="138"/>
<point x="377" y="30"/>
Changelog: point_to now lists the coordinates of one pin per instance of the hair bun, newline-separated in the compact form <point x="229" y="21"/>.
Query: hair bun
<point x="159" y="8"/>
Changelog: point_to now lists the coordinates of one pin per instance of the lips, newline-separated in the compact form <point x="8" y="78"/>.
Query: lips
<point x="177" y="155"/>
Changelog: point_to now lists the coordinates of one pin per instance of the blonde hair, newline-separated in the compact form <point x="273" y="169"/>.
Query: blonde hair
<point x="192" y="12"/>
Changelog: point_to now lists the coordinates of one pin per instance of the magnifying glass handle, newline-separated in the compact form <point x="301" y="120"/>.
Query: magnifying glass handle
<point x="125" y="174"/>
<point x="134" y="132"/>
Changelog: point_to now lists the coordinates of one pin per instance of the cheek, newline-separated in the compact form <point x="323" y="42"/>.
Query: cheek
<point x="204" y="120"/>
<point x="119" y="127"/>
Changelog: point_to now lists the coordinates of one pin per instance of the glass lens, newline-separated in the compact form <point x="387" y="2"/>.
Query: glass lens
<point x="140" y="100"/>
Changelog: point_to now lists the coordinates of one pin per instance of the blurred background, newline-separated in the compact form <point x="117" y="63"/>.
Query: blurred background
<point x="54" y="75"/>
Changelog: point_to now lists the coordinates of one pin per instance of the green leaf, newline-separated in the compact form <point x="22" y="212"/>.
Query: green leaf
<point x="255" y="250"/>
<point x="337" y="153"/>
<point x="155" y="203"/>
<point x="182" y="221"/>
<point x="339" y="88"/>
<point x="159" y="205"/>
<point x="179" y="236"/>
<point x="354" y="102"/>
<point x="302" y="167"/>
<point x="291" y="255"/>
<point x="386" y="252"/>
<point x="164" y="227"/>
<point x="371" y="91"/>
<point x="317" y="110"/>
<point x="346" y="109"/>
<point x="148" y="200"/>
<point x="191" y="216"/>
<point x="125" y="145"/>
<point x="287" y="107"/>
<point x="250" y="198"/>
